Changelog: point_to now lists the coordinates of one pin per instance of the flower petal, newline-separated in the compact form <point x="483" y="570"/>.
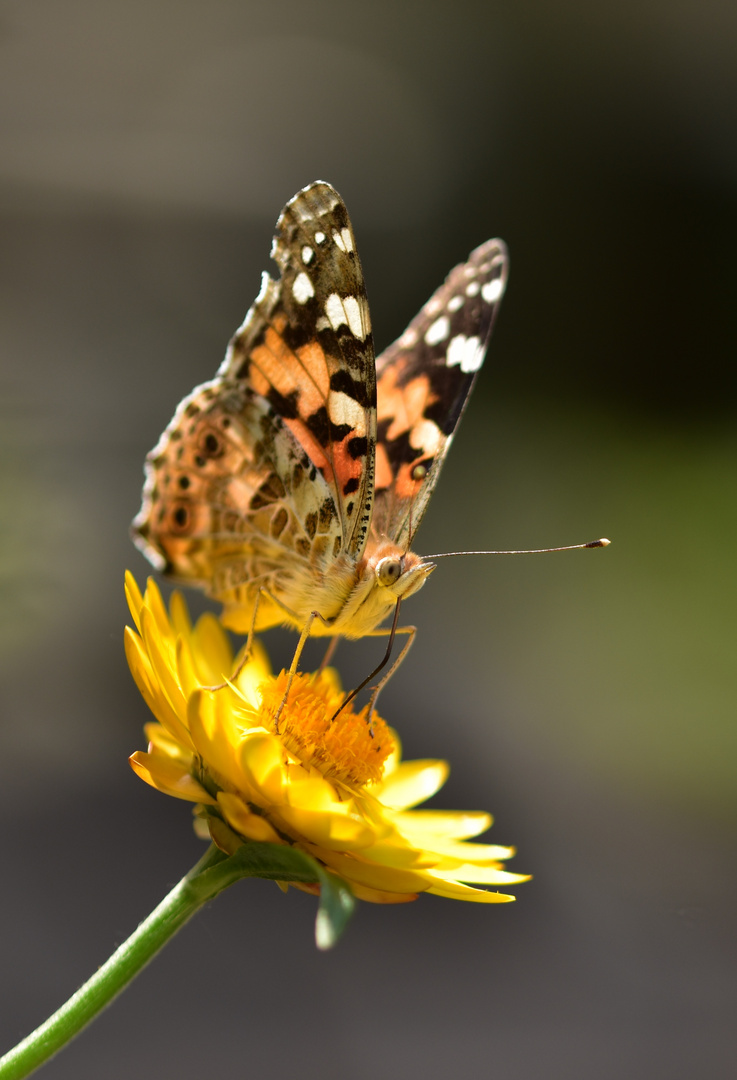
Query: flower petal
<point x="134" y="598"/>
<point x="453" y="890"/>
<point x="150" y="687"/>
<point x="479" y="875"/>
<point x="411" y="783"/>
<point x="244" y="821"/>
<point x="212" y="651"/>
<point x="168" y="776"/>
<point x="450" y="824"/>
<point x="383" y="878"/>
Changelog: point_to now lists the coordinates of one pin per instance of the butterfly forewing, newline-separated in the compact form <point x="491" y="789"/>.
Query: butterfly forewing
<point x="306" y="347"/>
<point x="423" y="383"/>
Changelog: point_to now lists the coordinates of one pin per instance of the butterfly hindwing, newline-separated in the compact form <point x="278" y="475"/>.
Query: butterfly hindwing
<point x="423" y="383"/>
<point x="229" y="492"/>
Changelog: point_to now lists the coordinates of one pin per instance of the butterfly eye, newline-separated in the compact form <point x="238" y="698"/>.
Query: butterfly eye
<point x="388" y="570"/>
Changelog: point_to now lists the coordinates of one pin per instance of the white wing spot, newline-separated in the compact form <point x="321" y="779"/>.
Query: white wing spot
<point x="433" y="306"/>
<point x="353" y="312"/>
<point x="350" y="312"/>
<point x="322" y="323"/>
<point x="409" y="338"/>
<point x="347" y="239"/>
<point x="455" y="302"/>
<point x="320" y="237"/>
<point x="466" y="353"/>
<point x="473" y="288"/>
<point x="302" y="289"/>
<point x="426" y="437"/>
<point x="307" y="255"/>
<point x="492" y="290"/>
<point x="437" y="331"/>
<point x="339" y="241"/>
<point x="344" y="409"/>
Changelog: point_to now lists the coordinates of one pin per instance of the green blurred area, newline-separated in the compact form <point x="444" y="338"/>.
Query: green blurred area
<point x="620" y="660"/>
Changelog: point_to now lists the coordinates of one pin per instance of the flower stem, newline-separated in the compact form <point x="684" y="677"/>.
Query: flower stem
<point x="204" y="881"/>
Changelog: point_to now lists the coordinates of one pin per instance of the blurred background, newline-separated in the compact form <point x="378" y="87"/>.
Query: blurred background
<point x="587" y="699"/>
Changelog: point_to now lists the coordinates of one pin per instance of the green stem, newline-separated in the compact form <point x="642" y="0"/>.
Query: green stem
<point x="202" y="883"/>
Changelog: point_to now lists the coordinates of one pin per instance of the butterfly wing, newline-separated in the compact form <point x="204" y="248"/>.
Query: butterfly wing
<point x="306" y="347"/>
<point x="423" y="383"/>
<point x="265" y="474"/>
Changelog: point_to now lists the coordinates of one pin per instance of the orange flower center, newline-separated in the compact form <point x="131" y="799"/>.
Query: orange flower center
<point x="346" y="749"/>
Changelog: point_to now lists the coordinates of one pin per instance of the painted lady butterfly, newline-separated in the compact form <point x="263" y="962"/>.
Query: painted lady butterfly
<point x="297" y="477"/>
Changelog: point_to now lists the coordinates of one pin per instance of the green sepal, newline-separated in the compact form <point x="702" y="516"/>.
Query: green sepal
<point x="337" y="904"/>
<point x="280" y="862"/>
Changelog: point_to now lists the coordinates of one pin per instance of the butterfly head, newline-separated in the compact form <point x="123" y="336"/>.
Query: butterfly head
<point x="396" y="573"/>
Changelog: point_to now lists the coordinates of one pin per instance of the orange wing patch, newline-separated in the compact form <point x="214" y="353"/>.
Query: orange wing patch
<point x="404" y="406"/>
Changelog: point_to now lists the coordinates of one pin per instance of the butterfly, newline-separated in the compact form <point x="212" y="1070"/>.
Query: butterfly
<point x="293" y="482"/>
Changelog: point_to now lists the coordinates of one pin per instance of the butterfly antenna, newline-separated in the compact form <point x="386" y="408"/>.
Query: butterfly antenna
<point x="384" y="662"/>
<point x="528" y="551"/>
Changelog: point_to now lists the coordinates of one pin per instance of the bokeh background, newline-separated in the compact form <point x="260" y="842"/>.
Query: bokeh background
<point x="587" y="699"/>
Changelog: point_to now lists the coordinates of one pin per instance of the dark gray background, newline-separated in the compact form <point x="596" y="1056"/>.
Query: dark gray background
<point x="586" y="699"/>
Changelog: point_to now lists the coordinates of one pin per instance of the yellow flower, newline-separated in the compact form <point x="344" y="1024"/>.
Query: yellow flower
<point x="335" y="789"/>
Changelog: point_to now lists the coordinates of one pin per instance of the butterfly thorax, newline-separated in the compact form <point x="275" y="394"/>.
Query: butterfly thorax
<point x="352" y="598"/>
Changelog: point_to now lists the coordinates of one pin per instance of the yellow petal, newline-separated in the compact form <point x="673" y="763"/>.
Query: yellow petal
<point x="211" y="650"/>
<point x="147" y="683"/>
<point x="261" y="760"/>
<point x="412" y="782"/>
<point x="134" y="598"/>
<point x="214" y="734"/>
<point x="187" y="672"/>
<point x="394" y="852"/>
<point x="461" y="852"/>
<point x="450" y="824"/>
<point x="161" y="654"/>
<point x="455" y="891"/>
<point x="180" y="619"/>
<point x="479" y="875"/>
<point x="153" y="603"/>
<point x="168" y="776"/>
<point x="383" y="878"/>
<point x="330" y="831"/>
<point x="375" y="896"/>
<point x="244" y="821"/>
<point x="163" y="743"/>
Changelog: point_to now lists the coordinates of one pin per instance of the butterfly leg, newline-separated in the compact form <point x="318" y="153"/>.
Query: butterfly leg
<point x="411" y="631"/>
<point x="246" y="651"/>
<point x="391" y="631"/>
<point x="303" y="637"/>
<point x="329" y="652"/>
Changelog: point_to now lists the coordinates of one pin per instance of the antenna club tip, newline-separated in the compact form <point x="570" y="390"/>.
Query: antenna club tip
<point x="600" y="543"/>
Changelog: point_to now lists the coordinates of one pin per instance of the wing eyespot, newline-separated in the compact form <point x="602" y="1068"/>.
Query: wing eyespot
<point x="210" y="444"/>
<point x="180" y="518"/>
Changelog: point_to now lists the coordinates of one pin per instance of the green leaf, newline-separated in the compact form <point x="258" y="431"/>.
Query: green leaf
<point x="336" y="907"/>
